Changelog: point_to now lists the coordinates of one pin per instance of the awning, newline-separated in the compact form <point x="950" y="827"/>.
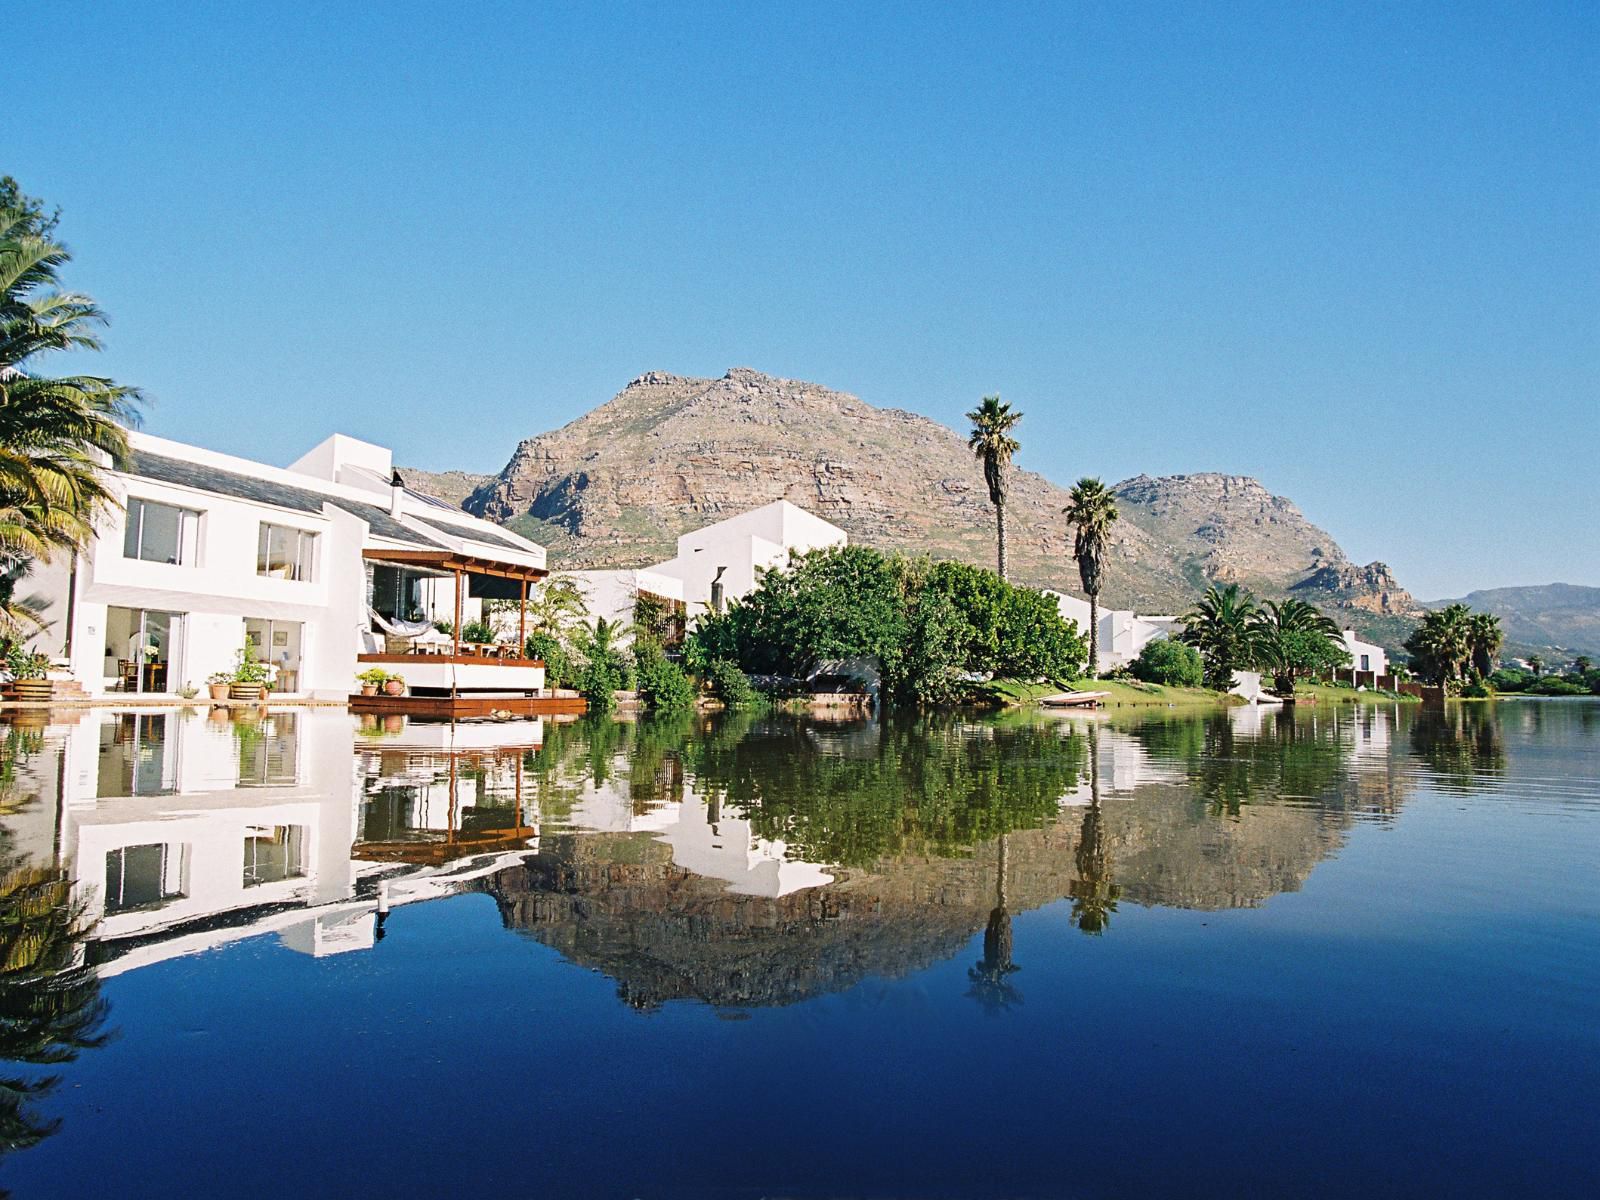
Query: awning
<point x="451" y="561"/>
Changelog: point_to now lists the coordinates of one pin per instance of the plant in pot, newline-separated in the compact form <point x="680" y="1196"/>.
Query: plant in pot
<point x="395" y="685"/>
<point x="217" y="684"/>
<point x="249" y="680"/>
<point x="371" y="680"/>
<point x="28" y="673"/>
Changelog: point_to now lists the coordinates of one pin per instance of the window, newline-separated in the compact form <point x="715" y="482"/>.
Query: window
<point x="273" y="853"/>
<point x="285" y="553"/>
<point x="145" y="876"/>
<point x="1366" y="662"/>
<point x="161" y="533"/>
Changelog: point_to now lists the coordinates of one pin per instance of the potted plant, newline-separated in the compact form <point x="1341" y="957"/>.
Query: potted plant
<point x="249" y="681"/>
<point x="371" y="680"/>
<point x="28" y="674"/>
<point x="395" y="685"/>
<point x="217" y="684"/>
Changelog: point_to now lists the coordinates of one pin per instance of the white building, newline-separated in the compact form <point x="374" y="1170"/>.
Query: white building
<point x="1122" y="633"/>
<point x="208" y="550"/>
<point x="732" y="552"/>
<point x="1364" y="656"/>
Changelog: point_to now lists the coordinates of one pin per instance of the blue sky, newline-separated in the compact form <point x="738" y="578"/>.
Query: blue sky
<point x="1351" y="250"/>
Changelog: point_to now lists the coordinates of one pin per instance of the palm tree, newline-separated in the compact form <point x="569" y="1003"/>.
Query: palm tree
<point x="1582" y="663"/>
<point x="1219" y="626"/>
<point x="1293" y="637"/>
<point x="1535" y="664"/>
<point x="1094" y="895"/>
<point x="993" y="445"/>
<point x="54" y="431"/>
<point x="1484" y="640"/>
<point x="990" y="985"/>
<point x="1441" y="646"/>
<point x="1092" y="510"/>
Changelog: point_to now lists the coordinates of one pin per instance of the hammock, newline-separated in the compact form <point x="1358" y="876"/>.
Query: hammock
<point x="398" y="628"/>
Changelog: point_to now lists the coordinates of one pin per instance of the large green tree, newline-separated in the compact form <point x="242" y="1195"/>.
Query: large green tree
<point x="1441" y="646"/>
<point x="992" y="443"/>
<point x="56" y="431"/>
<point x="1091" y="510"/>
<point x="1292" y="638"/>
<point x="1219" y="626"/>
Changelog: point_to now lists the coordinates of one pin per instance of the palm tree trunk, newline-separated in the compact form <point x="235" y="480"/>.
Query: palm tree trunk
<point x="1000" y="530"/>
<point x="1094" y="635"/>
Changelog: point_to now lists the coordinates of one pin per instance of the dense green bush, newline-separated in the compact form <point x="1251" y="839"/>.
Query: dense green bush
<point x="605" y="670"/>
<point x="731" y="685"/>
<point x="662" y="684"/>
<point x="1169" y="662"/>
<point x="557" y="662"/>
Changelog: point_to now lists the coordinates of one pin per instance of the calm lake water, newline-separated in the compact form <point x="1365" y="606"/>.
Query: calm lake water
<point x="1339" y="952"/>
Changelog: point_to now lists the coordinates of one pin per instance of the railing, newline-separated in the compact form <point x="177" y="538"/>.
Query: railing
<point x="415" y="657"/>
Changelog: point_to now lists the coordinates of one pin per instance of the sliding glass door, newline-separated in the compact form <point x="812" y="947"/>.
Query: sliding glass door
<point x="142" y="649"/>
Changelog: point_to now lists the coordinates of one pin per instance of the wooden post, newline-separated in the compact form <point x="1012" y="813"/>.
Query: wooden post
<point x="455" y="647"/>
<point x="522" y="622"/>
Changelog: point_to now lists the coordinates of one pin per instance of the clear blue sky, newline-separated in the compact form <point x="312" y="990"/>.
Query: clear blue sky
<point x="1351" y="250"/>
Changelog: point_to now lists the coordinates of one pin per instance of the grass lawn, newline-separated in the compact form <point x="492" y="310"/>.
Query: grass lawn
<point x="1326" y="693"/>
<point x="1124" y="693"/>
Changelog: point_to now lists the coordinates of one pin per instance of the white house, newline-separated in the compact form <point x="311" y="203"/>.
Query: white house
<point x="731" y="553"/>
<point x="309" y="562"/>
<point x="1365" y="656"/>
<point x="1122" y="633"/>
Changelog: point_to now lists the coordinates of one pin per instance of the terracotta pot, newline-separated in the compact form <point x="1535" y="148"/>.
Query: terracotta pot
<point x="394" y="724"/>
<point x="219" y="691"/>
<point x="369" y="689"/>
<point x="394" y="688"/>
<point x="264" y="693"/>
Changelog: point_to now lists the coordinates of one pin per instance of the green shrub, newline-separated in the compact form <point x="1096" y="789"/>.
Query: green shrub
<point x="1169" y="662"/>
<point x="477" y="631"/>
<point x="732" y="686"/>
<point x="557" y="662"/>
<point x="1555" y="685"/>
<point x="1477" y="689"/>
<point x="663" y="687"/>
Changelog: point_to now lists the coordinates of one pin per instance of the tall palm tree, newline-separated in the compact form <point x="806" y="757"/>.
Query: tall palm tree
<point x="55" y="431"/>
<point x="1441" y="646"/>
<point x="1092" y="510"/>
<point x="1219" y="626"/>
<point x="1535" y="664"/>
<point x="993" y="445"/>
<point x="1094" y="895"/>
<point x="990" y="985"/>
<point x="1484" y="640"/>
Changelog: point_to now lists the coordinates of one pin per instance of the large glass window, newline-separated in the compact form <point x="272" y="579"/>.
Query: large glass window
<point x="145" y="876"/>
<point x="161" y="533"/>
<point x="273" y="853"/>
<point x="285" y="553"/>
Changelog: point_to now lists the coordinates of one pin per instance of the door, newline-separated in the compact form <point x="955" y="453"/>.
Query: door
<point x="142" y="649"/>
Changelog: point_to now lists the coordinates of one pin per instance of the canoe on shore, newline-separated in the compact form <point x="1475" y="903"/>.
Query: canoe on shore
<point x="1074" y="700"/>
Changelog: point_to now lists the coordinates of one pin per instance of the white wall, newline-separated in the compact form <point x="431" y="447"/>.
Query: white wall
<point x="1377" y="658"/>
<point x="744" y="545"/>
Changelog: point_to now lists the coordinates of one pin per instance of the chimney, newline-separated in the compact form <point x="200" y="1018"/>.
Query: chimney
<point x="397" y="487"/>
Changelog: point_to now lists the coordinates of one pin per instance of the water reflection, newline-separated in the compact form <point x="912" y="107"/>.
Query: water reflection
<point x="736" y="862"/>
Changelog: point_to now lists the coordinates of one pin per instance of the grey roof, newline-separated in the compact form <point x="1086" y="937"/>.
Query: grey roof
<point x="266" y="491"/>
<point x="476" y="534"/>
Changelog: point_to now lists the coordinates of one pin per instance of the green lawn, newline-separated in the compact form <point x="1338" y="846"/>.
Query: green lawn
<point x="1325" y="693"/>
<point x="1123" y="694"/>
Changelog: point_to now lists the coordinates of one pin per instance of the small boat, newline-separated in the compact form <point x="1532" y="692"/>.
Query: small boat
<point x="1074" y="700"/>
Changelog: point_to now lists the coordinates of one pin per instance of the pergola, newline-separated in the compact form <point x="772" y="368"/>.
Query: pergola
<point x="500" y="580"/>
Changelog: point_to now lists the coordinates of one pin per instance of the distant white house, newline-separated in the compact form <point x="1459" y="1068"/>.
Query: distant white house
<point x="730" y="553"/>
<point x="1122" y="633"/>
<point x="1365" y="656"/>
<point x="308" y="562"/>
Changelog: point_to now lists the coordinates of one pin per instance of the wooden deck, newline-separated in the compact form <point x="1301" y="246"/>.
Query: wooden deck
<point x="467" y="704"/>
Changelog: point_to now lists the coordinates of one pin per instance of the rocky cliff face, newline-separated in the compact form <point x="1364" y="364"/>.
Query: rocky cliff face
<point x="668" y="454"/>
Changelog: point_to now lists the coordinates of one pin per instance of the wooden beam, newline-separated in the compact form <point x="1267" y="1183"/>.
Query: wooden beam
<point x="522" y="621"/>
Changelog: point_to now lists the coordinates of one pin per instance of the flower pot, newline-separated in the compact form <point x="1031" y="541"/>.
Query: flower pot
<point x="219" y="691"/>
<point x="263" y="693"/>
<point x="244" y="691"/>
<point x="394" y="687"/>
<point x="369" y="689"/>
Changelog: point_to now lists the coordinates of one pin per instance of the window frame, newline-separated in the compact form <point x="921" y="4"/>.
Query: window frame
<point x="188" y="536"/>
<point x="303" y="564"/>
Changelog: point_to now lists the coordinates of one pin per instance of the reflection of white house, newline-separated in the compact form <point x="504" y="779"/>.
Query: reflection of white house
<point x="182" y="832"/>
<point x="731" y="553"/>
<point x="1123" y="767"/>
<point x="208" y="550"/>
<point x="704" y="838"/>
<point x="1122" y="633"/>
<point x="1365" y="656"/>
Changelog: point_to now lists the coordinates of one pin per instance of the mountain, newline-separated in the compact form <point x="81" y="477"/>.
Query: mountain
<point x="453" y="487"/>
<point x="668" y="454"/>
<point x="1549" y="616"/>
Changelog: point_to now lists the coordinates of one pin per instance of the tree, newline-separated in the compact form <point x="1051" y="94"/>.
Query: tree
<point x="1294" y="638"/>
<point x="1219" y="626"/>
<point x="1582" y="664"/>
<point x="1169" y="662"/>
<point x="1484" y="640"/>
<point x="993" y="445"/>
<point x="1536" y="664"/>
<point x="605" y="670"/>
<point x="663" y="687"/>
<point x="1092" y="510"/>
<point x="1441" y="646"/>
<point x="53" y="429"/>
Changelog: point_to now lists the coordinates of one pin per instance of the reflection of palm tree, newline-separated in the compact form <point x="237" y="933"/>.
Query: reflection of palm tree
<point x="1094" y="896"/>
<point x="990" y="986"/>
<point x="50" y="1005"/>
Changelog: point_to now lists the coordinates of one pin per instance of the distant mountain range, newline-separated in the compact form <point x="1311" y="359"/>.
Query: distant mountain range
<point x="1551" y="616"/>
<point x="669" y="453"/>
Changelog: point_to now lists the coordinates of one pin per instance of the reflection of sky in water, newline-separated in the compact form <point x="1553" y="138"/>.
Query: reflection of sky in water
<point x="1364" y="939"/>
